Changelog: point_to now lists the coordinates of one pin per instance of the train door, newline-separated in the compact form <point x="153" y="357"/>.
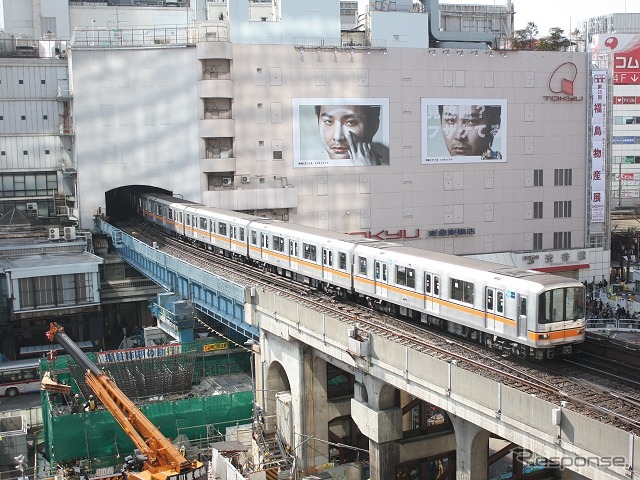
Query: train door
<point x="381" y="278"/>
<point x="490" y="308"/>
<point x="494" y="309"/>
<point x="293" y="254"/>
<point x="233" y="236"/>
<point x="327" y="264"/>
<point x="264" y="246"/>
<point x="522" y="316"/>
<point x="431" y="292"/>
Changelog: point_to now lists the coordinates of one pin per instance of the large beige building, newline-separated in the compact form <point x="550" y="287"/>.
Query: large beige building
<point x="223" y="112"/>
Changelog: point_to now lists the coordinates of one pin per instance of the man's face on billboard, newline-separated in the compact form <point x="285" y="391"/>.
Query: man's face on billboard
<point x="466" y="129"/>
<point x="336" y="123"/>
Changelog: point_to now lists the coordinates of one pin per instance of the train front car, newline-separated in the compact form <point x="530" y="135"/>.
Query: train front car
<point x="560" y="318"/>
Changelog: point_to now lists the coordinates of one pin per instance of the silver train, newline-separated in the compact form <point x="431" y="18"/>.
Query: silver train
<point x="527" y="313"/>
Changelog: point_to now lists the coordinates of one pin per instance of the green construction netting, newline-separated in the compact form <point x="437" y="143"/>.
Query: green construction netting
<point x="97" y="437"/>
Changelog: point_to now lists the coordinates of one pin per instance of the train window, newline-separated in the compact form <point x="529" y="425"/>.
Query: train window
<point x="233" y="233"/>
<point x="405" y="276"/>
<point x="254" y="237"/>
<point x="203" y="223"/>
<point x="293" y="248"/>
<point x="222" y="228"/>
<point x="309" y="251"/>
<point x="170" y="214"/>
<point x="241" y="234"/>
<point x="330" y="259"/>
<point x="436" y="286"/>
<point x="500" y="308"/>
<point x="490" y="300"/>
<point x="342" y="260"/>
<point x="212" y="226"/>
<point x="363" y="265"/>
<point x="180" y="217"/>
<point x="427" y="283"/>
<point x="278" y="244"/>
<point x="461" y="291"/>
<point x="523" y="306"/>
<point x="561" y="304"/>
<point x="401" y="275"/>
<point x="264" y="240"/>
<point x="188" y="219"/>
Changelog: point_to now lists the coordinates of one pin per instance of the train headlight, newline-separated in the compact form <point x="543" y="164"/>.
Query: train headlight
<point x="543" y="336"/>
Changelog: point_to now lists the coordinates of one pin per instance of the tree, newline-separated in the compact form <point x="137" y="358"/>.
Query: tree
<point x="554" y="42"/>
<point x="524" y="39"/>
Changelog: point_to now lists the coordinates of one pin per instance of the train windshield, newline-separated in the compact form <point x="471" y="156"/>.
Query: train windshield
<point x="561" y="305"/>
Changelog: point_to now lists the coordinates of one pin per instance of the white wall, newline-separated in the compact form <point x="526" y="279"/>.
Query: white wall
<point x="136" y="121"/>
<point x="300" y="19"/>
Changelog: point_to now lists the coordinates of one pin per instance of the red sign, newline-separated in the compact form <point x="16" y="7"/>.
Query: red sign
<point x="626" y="65"/>
<point x="626" y="100"/>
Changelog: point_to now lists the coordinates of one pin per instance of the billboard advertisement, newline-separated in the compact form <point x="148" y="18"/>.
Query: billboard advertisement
<point x="340" y="132"/>
<point x="456" y="130"/>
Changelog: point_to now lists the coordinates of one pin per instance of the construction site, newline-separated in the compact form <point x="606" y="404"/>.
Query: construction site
<point x="198" y="394"/>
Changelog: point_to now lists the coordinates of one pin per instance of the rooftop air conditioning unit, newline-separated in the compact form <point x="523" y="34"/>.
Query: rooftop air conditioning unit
<point x="54" y="233"/>
<point x="69" y="233"/>
<point x="226" y="181"/>
<point x="245" y="178"/>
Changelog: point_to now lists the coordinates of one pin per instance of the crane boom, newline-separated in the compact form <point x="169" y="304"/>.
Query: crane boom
<point x="163" y="459"/>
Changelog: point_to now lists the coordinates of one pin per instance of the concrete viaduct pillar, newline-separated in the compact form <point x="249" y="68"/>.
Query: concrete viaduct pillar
<point x="472" y="450"/>
<point x="374" y="412"/>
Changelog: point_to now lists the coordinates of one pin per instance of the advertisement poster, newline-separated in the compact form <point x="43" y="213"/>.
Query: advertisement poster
<point x="456" y="130"/>
<point x="340" y="132"/>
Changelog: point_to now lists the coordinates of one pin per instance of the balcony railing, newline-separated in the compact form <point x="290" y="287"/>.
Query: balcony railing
<point x="148" y="37"/>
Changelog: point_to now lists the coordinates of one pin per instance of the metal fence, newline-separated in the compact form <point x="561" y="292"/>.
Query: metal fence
<point x="148" y="37"/>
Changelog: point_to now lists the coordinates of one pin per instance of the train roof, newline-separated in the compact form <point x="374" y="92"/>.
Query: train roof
<point x="229" y="215"/>
<point x="277" y="225"/>
<point x="169" y="199"/>
<point x="453" y="261"/>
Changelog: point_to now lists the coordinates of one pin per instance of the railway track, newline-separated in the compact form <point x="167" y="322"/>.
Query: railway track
<point x="595" y="389"/>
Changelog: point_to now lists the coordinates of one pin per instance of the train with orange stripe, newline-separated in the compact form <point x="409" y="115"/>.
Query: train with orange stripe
<point x="527" y="313"/>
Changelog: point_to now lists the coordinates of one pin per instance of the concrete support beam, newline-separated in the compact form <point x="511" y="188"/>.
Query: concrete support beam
<point x="383" y="459"/>
<point x="472" y="450"/>
<point x="315" y="409"/>
<point x="380" y="426"/>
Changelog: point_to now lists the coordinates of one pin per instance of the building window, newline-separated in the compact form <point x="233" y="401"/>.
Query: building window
<point x="1" y="117"/>
<point x="20" y="82"/>
<point x="56" y="290"/>
<point x="562" y="176"/>
<point x="562" y="209"/>
<point x="561" y="240"/>
<point x="537" y="209"/>
<point x="277" y="155"/>
<point x="47" y="152"/>
<point x="538" y="178"/>
<point x="42" y="82"/>
<point x="537" y="241"/>
<point x="44" y="117"/>
<point x="23" y="117"/>
<point x="25" y="152"/>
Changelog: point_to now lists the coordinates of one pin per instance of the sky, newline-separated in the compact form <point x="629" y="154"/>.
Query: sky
<point x="566" y="14"/>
